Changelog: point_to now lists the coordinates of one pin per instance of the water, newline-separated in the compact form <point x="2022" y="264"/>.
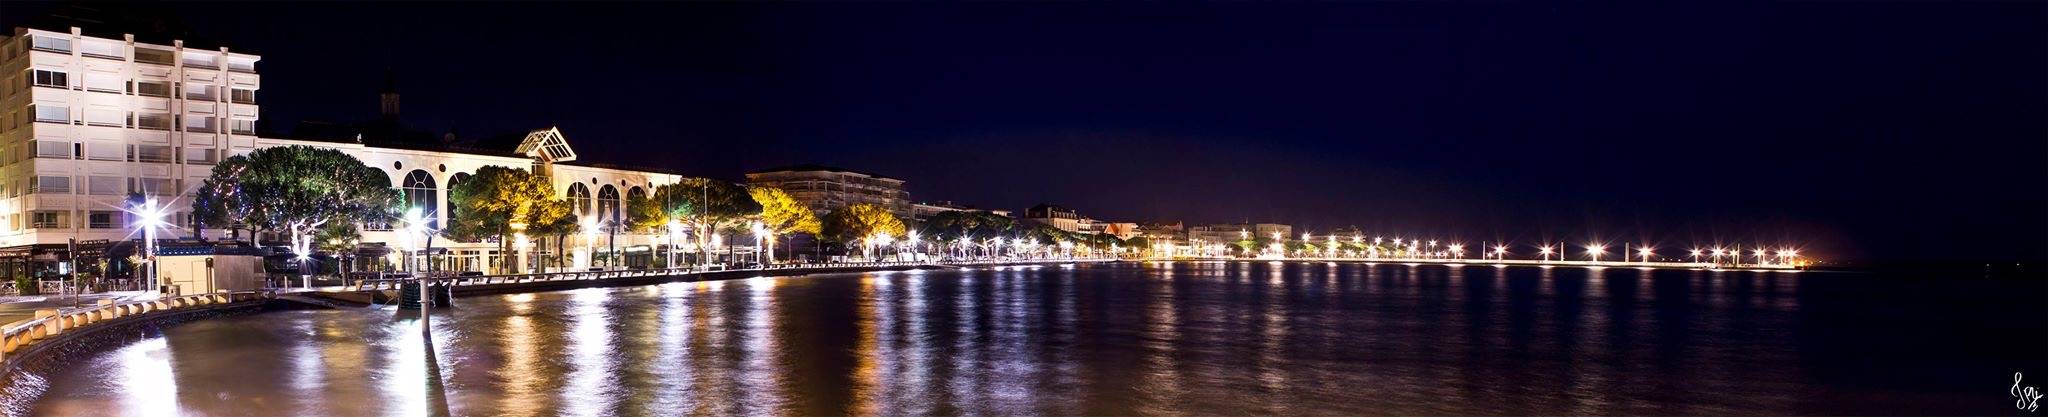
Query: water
<point x="1129" y="339"/>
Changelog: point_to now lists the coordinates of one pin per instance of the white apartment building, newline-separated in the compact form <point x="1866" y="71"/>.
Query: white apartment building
<point x="825" y="188"/>
<point x="87" y="120"/>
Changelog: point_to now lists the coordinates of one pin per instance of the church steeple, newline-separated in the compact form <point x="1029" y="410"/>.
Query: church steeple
<point x="389" y="98"/>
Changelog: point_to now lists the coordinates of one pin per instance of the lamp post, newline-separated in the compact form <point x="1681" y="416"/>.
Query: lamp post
<point x="1695" y="256"/>
<point x="912" y="243"/>
<point x="1545" y="251"/>
<point x="1643" y="253"/>
<point x="149" y="217"/>
<point x="760" y="236"/>
<point x="1594" y="251"/>
<point x="675" y="232"/>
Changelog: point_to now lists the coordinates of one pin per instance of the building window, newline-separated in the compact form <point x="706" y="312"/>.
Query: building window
<point x="200" y="60"/>
<point x="156" y="186"/>
<point x="152" y="56"/>
<point x="106" y="117"/>
<point x="380" y="223"/>
<point x="201" y="156"/>
<point x="202" y="124"/>
<point x="49" y="43"/>
<point x="579" y="198"/>
<point x="100" y="49"/>
<point x="242" y="127"/>
<point x="152" y="153"/>
<point x="97" y="185"/>
<point x="51" y="184"/>
<point x="100" y="220"/>
<point x="453" y="181"/>
<point x="156" y="121"/>
<point x="53" y="149"/>
<point x="608" y="204"/>
<point x="106" y="151"/>
<point x="242" y="96"/>
<point x="153" y="88"/>
<point x="202" y="92"/>
<point x="420" y="192"/>
<point x="53" y="114"/>
<point x="241" y="64"/>
<point x="50" y="219"/>
<point x="48" y="78"/>
<point x="106" y="83"/>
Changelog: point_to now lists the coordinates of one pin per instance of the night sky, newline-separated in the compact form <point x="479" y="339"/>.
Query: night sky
<point x="1858" y="130"/>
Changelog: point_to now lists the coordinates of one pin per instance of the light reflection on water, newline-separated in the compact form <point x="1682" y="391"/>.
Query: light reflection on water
<point x="1129" y="339"/>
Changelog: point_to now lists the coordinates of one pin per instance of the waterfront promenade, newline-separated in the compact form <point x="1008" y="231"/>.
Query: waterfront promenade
<point x="36" y="331"/>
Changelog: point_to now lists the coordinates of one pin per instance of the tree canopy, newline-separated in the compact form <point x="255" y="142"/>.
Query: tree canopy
<point x="782" y="214"/>
<point x="496" y="201"/>
<point x="492" y="200"/>
<point x="297" y="189"/>
<point x="857" y="222"/>
<point x="977" y="224"/>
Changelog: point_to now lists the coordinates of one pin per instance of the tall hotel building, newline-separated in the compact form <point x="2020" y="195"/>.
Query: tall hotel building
<point x="89" y="120"/>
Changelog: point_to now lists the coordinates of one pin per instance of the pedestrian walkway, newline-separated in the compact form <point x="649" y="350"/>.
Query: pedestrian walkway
<point x="19" y="307"/>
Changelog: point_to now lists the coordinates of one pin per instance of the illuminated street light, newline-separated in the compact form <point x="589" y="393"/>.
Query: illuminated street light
<point x="1644" y="253"/>
<point x="1457" y="250"/>
<point x="1594" y="251"/>
<point x="1545" y="251"/>
<point x="1500" y="252"/>
<point x="1695" y="256"/>
<point x="1760" y="257"/>
<point x="149" y="217"/>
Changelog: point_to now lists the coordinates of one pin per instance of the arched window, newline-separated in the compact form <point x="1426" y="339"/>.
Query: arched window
<point x="453" y="181"/>
<point x="608" y="203"/>
<point x="579" y="198"/>
<point x="635" y="193"/>
<point x="419" y="192"/>
<point x="379" y="223"/>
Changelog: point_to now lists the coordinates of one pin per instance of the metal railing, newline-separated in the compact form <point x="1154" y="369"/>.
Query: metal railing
<point x="49" y="323"/>
<point x="1025" y="261"/>
<point x="394" y="283"/>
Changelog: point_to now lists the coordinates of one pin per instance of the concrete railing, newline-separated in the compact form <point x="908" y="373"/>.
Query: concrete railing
<point x="50" y="323"/>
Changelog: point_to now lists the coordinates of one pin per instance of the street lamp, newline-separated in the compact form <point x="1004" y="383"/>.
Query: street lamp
<point x="1644" y="253"/>
<point x="1695" y="256"/>
<point x="762" y="244"/>
<point x="675" y="232"/>
<point x="149" y="217"/>
<point x="1760" y="257"/>
<point x="913" y="245"/>
<point x="1594" y="251"/>
<point x="1545" y="251"/>
<point x="1457" y="251"/>
<point x="416" y="226"/>
<point x="1500" y="253"/>
<point x="588" y="225"/>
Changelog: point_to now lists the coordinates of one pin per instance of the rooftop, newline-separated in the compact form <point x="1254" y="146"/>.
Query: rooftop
<point x="816" y="168"/>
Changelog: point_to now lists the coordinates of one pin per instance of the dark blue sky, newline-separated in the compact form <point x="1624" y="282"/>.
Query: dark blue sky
<point x="1897" y="131"/>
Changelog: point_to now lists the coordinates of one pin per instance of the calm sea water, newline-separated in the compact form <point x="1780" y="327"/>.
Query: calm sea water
<point x="1128" y="339"/>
